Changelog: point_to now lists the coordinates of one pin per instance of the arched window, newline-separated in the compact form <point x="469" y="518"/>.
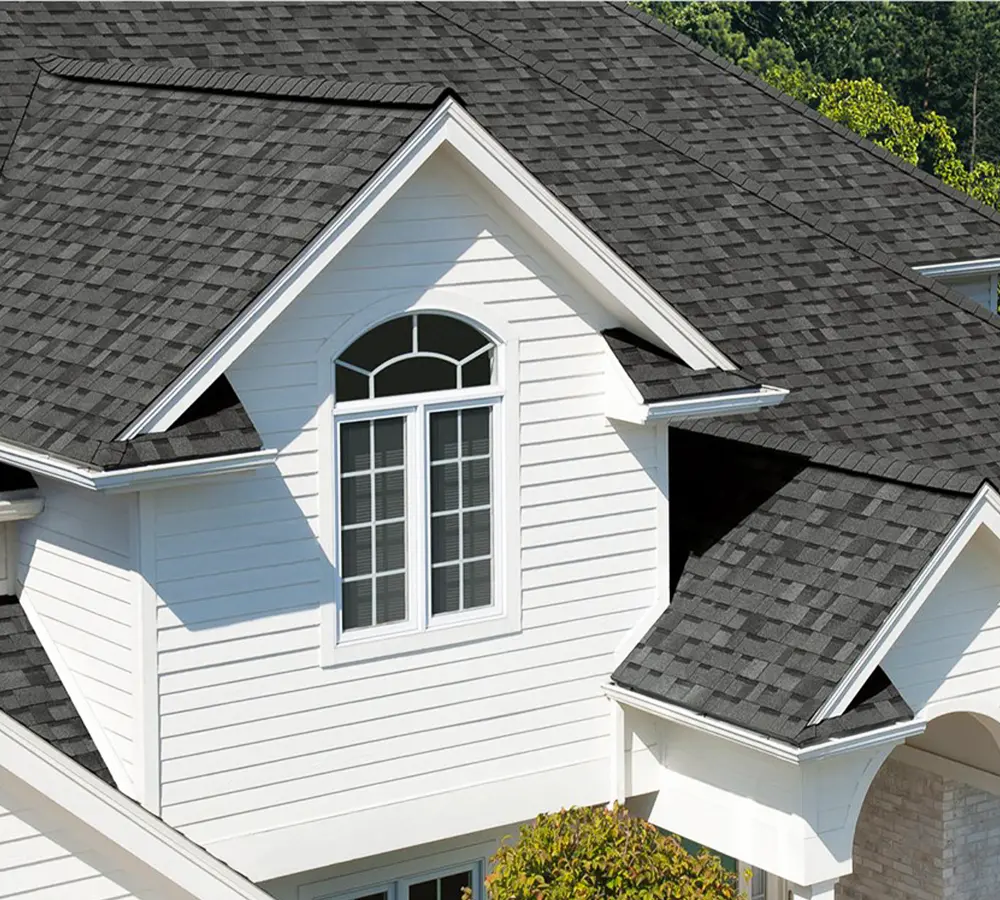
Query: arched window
<point x="416" y="459"/>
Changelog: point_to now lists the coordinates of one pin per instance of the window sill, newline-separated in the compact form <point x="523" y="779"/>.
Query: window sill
<point x="435" y="636"/>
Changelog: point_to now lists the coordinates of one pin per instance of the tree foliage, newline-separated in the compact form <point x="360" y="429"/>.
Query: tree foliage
<point x="921" y="80"/>
<point x="603" y="854"/>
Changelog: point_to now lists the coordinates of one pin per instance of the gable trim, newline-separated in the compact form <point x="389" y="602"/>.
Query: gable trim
<point x="451" y="124"/>
<point x="125" y="823"/>
<point x="983" y="510"/>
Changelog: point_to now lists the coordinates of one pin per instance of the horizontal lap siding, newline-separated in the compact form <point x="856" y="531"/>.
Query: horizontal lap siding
<point x="949" y="653"/>
<point x="255" y="735"/>
<point x="74" y="574"/>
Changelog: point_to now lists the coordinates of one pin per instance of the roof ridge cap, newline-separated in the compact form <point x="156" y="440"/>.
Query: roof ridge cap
<point x="722" y="168"/>
<point x="798" y="106"/>
<point x="844" y="458"/>
<point x="247" y="83"/>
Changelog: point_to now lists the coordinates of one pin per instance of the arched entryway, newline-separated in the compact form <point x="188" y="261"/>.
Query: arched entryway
<point x="929" y="826"/>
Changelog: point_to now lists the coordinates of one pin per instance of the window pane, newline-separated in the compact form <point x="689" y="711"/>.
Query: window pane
<point x="444" y="487"/>
<point x="381" y="895"/>
<point x="451" y="885"/>
<point x="351" y="385"/>
<point x="426" y="890"/>
<point x="444" y="589"/>
<point x="355" y="446"/>
<point x="478" y="583"/>
<point x="390" y="598"/>
<point x="444" y="435"/>
<point x="390" y="546"/>
<point x="388" y="443"/>
<point x="479" y="371"/>
<point x="356" y="499"/>
<point x="357" y="602"/>
<point x="389" y="494"/>
<point x="476" y="483"/>
<point x="382" y="343"/>
<point x="475" y="432"/>
<point x="448" y="336"/>
<point x="356" y="551"/>
<point x="416" y="375"/>
<point x="476" y="533"/>
<point x="444" y="538"/>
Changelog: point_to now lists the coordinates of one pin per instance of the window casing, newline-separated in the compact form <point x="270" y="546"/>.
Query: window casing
<point x="418" y="471"/>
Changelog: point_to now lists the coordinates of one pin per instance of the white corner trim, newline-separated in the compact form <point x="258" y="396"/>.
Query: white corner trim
<point x="146" y="693"/>
<point x="448" y="123"/>
<point x="984" y="509"/>
<point x="18" y="505"/>
<point x="753" y="741"/>
<point x="701" y="407"/>
<point x="82" y="794"/>
<point x="966" y="267"/>
<point x="164" y="474"/>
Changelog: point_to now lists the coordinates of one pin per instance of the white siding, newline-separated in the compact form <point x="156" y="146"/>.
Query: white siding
<point x="948" y="657"/>
<point x="74" y="580"/>
<point x="982" y="288"/>
<point x="256" y="735"/>
<point x="47" y="855"/>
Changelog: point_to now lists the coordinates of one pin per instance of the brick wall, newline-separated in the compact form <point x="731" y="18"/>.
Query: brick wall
<point x="971" y="842"/>
<point x="899" y="841"/>
<point x="924" y="837"/>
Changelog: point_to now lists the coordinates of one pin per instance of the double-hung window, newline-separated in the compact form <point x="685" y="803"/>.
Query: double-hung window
<point x="415" y="423"/>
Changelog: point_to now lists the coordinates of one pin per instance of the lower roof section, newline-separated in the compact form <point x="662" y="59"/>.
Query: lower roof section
<point x="781" y="572"/>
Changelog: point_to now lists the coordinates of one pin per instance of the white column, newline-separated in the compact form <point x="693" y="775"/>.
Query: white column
<point x="825" y="890"/>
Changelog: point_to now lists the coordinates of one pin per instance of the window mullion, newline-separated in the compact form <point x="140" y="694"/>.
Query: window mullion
<point x="461" y="518"/>
<point x="418" y="476"/>
<point x="371" y="478"/>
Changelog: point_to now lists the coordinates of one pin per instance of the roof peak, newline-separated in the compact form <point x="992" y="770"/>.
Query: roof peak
<point x="242" y="82"/>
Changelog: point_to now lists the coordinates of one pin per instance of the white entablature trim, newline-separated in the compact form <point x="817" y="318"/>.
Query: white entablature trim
<point x="889" y="734"/>
<point x="983" y="510"/>
<point x="83" y="795"/>
<point x="449" y="124"/>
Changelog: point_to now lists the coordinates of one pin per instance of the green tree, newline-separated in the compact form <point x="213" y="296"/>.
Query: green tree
<point x="603" y="854"/>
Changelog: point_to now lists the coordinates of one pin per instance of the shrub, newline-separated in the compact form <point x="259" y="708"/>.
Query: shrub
<point x="595" y="853"/>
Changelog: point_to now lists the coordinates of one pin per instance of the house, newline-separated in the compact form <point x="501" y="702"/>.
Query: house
<point x="417" y="417"/>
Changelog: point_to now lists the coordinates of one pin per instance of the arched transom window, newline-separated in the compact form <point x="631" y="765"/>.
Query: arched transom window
<point x="416" y="473"/>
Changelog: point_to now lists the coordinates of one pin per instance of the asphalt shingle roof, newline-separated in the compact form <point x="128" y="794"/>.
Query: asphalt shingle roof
<point x="783" y="570"/>
<point x="142" y="207"/>
<point x="137" y="221"/>
<point x="659" y="375"/>
<point x="31" y="692"/>
<point x="741" y="208"/>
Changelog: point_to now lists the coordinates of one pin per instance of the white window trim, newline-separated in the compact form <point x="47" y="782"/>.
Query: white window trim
<point x="504" y="617"/>
<point x="397" y="889"/>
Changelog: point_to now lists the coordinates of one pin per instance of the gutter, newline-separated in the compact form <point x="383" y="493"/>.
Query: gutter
<point x="890" y="734"/>
<point x="703" y="406"/>
<point x="966" y="267"/>
<point x="161" y="475"/>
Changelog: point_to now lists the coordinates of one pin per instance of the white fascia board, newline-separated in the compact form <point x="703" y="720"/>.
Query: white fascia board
<point x="983" y="510"/>
<point x="753" y="741"/>
<point x="448" y="124"/>
<point x="162" y="475"/>
<point x="966" y="267"/>
<point x="705" y="406"/>
<point x="119" y="819"/>
<point x="15" y="506"/>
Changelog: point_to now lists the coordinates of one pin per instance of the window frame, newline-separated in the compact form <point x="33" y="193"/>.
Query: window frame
<point x="421" y="630"/>
<point x="398" y="888"/>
